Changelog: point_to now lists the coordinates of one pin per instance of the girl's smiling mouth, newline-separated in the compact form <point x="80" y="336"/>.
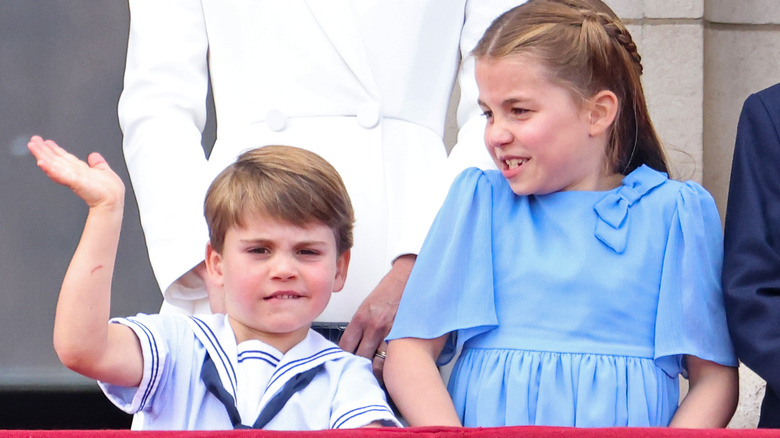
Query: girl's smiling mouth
<point x="513" y="163"/>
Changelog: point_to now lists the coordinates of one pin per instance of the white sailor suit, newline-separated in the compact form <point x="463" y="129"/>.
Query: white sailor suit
<point x="173" y="396"/>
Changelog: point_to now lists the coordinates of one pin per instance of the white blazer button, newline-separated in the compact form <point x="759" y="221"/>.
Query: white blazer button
<point x="368" y="115"/>
<point x="275" y="120"/>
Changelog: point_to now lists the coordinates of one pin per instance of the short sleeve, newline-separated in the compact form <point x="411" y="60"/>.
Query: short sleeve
<point x="155" y="353"/>
<point x="359" y="399"/>
<point x="691" y="318"/>
<point x="450" y="288"/>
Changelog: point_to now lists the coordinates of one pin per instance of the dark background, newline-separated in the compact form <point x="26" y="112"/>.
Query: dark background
<point x="61" y="67"/>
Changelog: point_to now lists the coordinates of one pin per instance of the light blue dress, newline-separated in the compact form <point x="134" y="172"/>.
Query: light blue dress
<point x="573" y="308"/>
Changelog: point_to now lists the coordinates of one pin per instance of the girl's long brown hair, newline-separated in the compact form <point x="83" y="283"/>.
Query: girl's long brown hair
<point x="587" y="49"/>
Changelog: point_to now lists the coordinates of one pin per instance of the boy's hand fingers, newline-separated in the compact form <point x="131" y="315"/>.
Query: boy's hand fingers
<point x="96" y="160"/>
<point x="93" y="181"/>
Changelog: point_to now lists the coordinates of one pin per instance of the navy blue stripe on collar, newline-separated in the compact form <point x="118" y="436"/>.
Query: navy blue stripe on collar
<point x="223" y="356"/>
<point x="290" y="366"/>
<point x="258" y="354"/>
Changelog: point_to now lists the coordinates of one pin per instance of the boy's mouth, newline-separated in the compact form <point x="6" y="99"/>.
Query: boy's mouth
<point x="283" y="295"/>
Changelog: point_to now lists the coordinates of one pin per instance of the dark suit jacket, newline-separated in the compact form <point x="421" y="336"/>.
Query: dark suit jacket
<point x="751" y="269"/>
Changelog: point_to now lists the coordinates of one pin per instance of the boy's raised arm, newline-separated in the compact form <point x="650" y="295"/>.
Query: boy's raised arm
<point x="83" y="339"/>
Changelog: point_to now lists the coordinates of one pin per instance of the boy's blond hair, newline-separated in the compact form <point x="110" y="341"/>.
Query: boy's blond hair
<point x="284" y="183"/>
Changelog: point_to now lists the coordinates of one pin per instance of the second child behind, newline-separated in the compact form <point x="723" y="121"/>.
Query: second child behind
<point x="280" y="224"/>
<point x="579" y="281"/>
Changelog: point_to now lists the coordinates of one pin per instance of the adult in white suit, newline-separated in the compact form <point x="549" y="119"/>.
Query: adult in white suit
<point x="363" y="83"/>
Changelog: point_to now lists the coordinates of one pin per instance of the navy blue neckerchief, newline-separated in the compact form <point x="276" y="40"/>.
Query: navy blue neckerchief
<point x="210" y="377"/>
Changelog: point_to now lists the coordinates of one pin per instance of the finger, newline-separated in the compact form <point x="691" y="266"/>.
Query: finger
<point x="49" y="154"/>
<point x="96" y="160"/>
<point x="378" y="367"/>
<point x="35" y="142"/>
<point x="369" y="344"/>
<point x="38" y="148"/>
<point x="381" y="351"/>
<point x="378" y="364"/>
<point x="59" y="165"/>
<point x="45" y="157"/>
<point x="56" y="151"/>
<point x="351" y="338"/>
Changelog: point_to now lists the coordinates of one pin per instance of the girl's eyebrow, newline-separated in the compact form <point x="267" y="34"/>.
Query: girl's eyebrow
<point x="514" y="100"/>
<point x="508" y="101"/>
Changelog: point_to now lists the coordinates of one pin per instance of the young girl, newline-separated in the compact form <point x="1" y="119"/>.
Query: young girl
<point x="579" y="281"/>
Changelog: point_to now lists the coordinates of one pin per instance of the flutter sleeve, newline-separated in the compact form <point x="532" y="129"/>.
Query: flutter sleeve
<point x="450" y="289"/>
<point x="691" y="318"/>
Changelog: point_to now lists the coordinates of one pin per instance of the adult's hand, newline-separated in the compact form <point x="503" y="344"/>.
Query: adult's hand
<point x="366" y="333"/>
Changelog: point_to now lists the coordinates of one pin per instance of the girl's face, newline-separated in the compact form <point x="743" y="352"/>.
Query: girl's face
<point x="540" y="137"/>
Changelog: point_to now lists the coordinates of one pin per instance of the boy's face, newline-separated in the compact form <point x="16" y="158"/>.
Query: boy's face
<point x="277" y="277"/>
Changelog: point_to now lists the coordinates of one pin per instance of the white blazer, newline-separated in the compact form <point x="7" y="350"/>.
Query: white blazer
<point x="363" y="83"/>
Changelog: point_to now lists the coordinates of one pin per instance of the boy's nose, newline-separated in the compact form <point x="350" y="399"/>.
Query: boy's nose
<point x="283" y="267"/>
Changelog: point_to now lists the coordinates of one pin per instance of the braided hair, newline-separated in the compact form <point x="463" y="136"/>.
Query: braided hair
<point x="587" y="49"/>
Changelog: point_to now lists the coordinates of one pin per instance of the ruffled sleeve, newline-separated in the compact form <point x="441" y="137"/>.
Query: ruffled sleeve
<point x="450" y="289"/>
<point x="691" y="317"/>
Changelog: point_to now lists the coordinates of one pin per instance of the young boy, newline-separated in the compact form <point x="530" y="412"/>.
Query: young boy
<point x="280" y="224"/>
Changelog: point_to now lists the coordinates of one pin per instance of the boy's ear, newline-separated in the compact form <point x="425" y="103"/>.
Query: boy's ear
<point x="603" y="108"/>
<point x="342" y="265"/>
<point x="214" y="265"/>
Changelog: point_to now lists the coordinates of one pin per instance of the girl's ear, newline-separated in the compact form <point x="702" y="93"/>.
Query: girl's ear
<point x="214" y="265"/>
<point x="602" y="107"/>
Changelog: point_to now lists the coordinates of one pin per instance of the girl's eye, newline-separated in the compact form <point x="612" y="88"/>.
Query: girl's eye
<point x="519" y="111"/>
<point x="487" y="114"/>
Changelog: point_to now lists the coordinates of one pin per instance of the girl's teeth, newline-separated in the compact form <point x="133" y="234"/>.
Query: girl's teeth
<point x="514" y="162"/>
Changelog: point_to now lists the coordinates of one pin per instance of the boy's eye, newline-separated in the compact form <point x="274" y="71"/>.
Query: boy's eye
<point x="308" y="252"/>
<point x="487" y="114"/>
<point x="519" y="111"/>
<point x="259" y="250"/>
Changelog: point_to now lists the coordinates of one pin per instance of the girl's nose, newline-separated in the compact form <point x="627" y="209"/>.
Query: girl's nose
<point x="496" y="135"/>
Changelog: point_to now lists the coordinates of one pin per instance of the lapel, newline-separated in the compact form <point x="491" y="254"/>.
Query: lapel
<point x="215" y="334"/>
<point x="338" y="21"/>
<point x="313" y="351"/>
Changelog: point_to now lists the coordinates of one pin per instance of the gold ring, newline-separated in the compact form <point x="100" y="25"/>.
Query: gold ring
<point x="380" y="354"/>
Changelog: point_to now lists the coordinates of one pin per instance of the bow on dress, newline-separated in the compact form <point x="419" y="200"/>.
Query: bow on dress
<point x="612" y="210"/>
